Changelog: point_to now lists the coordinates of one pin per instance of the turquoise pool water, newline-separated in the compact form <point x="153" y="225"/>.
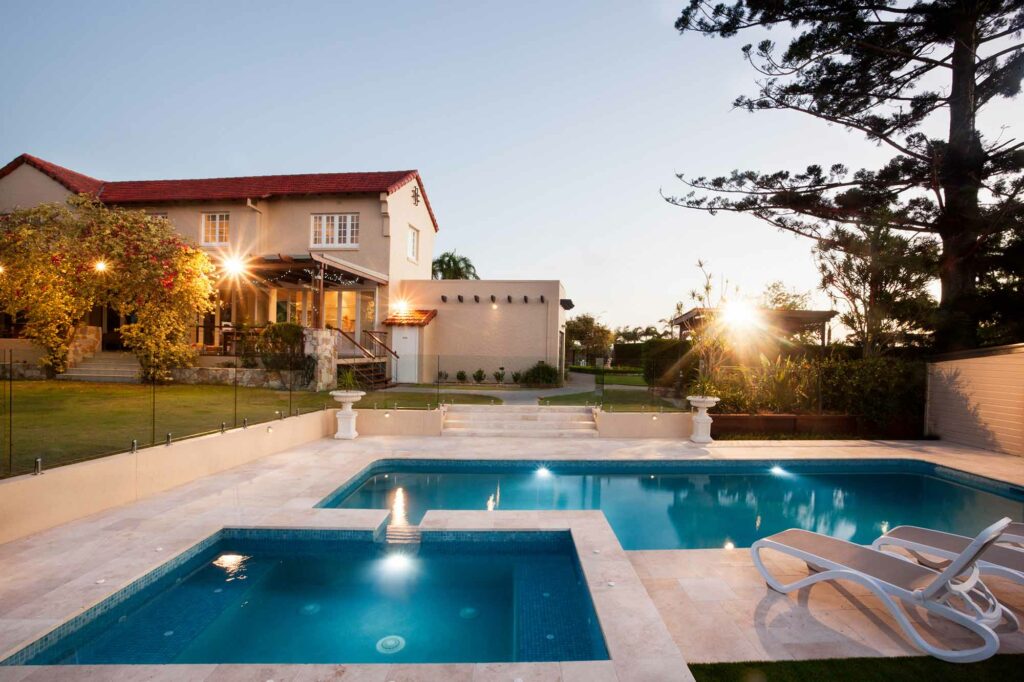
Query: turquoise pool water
<point x="275" y="597"/>
<point x="677" y="505"/>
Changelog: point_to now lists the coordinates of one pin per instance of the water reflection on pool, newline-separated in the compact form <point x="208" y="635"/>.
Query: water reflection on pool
<point x="665" y="509"/>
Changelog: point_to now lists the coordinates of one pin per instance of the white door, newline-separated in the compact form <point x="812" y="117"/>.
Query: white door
<point x="407" y="346"/>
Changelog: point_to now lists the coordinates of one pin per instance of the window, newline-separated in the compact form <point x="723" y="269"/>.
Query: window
<point x="334" y="230"/>
<point x="215" y="228"/>
<point x="413" y="244"/>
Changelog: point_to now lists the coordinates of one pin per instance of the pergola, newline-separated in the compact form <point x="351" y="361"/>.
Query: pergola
<point x="781" y="322"/>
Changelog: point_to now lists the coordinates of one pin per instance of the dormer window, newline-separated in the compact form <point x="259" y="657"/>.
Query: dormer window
<point x="334" y="230"/>
<point x="216" y="228"/>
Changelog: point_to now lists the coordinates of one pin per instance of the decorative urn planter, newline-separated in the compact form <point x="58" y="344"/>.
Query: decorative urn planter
<point x="346" y="415"/>
<point x="702" y="420"/>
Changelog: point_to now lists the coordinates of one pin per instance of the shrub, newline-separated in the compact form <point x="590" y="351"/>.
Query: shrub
<point x="280" y="346"/>
<point x="541" y="374"/>
<point x="479" y="376"/>
<point x="499" y="376"/>
<point x="461" y="376"/>
<point x="605" y="370"/>
<point x="516" y="377"/>
<point x="631" y="354"/>
<point x="665" y="361"/>
<point x="347" y="381"/>
<point x="442" y="376"/>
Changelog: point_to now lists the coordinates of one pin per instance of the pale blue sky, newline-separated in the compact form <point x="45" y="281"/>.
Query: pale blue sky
<point x="543" y="130"/>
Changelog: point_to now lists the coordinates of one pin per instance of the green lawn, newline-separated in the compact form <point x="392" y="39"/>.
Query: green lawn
<point x="862" y="670"/>
<point x="614" y="400"/>
<point x="621" y="379"/>
<point x="63" y="422"/>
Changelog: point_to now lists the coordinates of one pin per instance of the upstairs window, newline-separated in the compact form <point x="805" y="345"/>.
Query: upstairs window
<point x="334" y="230"/>
<point x="216" y="228"/>
<point x="412" y="247"/>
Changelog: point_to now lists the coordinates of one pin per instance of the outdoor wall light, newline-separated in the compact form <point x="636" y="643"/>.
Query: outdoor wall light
<point x="401" y="306"/>
<point x="494" y="306"/>
<point x="233" y="266"/>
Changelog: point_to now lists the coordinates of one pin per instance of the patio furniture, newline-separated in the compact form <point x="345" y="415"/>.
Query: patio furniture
<point x="935" y="549"/>
<point x="955" y="593"/>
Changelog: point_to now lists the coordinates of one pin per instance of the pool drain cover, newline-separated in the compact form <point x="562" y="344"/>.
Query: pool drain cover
<point x="391" y="644"/>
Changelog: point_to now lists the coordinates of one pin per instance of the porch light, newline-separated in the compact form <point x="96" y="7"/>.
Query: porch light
<point x="100" y="266"/>
<point x="233" y="266"/>
<point x="401" y="306"/>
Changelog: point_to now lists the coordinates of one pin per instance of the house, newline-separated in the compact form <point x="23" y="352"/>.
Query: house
<point x="346" y="252"/>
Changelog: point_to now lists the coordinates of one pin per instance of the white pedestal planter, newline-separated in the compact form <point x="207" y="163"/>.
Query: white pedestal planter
<point x="702" y="421"/>
<point x="346" y="415"/>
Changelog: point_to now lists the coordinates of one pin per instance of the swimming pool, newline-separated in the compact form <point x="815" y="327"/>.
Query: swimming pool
<point x="695" y="504"/>
<point x="302" y="596"/>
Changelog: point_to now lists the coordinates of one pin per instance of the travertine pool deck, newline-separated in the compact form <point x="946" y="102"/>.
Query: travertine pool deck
<point x="692" y="605"/>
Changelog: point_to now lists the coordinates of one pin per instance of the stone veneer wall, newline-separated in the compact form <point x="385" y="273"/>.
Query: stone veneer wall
<point x="87" y="342"/>
<point x="320" y="345"/>
<point x="249" y="378"/>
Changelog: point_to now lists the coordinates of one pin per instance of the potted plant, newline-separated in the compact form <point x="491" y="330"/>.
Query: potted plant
<point x="701" y="397"/>
<point x="347" y="393"/>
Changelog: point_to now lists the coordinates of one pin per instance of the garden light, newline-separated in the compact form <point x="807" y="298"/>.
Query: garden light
<point x="1" y="269"/>
<point x="100" y="266"/>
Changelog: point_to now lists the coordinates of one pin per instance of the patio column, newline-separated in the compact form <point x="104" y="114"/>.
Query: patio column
<point x="272" y="306"/>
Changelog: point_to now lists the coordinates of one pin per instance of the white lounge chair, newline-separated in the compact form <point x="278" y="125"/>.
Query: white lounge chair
<point x="935" y="549"/>
<point x="1014" y="534"/>
<point x="955" y="593"/>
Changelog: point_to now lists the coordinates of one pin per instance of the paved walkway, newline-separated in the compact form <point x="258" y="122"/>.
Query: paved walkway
<point x="576" y="383"/>
<point x="709" y="602"/>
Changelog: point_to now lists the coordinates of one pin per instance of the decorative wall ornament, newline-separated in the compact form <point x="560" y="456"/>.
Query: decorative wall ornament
<point x="415" y="195"/>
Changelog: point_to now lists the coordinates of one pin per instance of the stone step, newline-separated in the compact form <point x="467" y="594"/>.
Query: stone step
<point x="517" y="425"/>
<point x="110" y="371"/>
<point x="505" y="433"/>
<point x="523" y="417"/>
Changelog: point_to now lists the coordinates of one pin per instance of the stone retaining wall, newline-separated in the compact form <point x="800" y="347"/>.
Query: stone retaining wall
<point x="249" y="378"/>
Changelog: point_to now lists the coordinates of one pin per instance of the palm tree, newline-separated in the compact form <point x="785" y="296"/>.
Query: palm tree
<point x="450" y="265"/>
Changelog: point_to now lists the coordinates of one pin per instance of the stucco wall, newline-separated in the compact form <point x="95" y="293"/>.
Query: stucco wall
<point x="643" y="424"/>
<point x="471" y="335"/>
<point x="978" y="399"/>
<point x="25" y="187"/>
<point x="399" y="422"/>
<point x="28" y="504"/>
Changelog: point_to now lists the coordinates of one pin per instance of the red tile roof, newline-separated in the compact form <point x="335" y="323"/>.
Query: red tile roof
<point x="221" y="189"/>
<point x="411" y="318"/>
<point x="76" y="182"/>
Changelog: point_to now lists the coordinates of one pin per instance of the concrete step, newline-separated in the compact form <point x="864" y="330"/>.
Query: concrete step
<point x="522" y="417"/>
<point x="107" y="363"/>
<point x="522" y="409"/>
<point x="517" y="425"/>
<point x="105" y="371"/>
<point x="505" y="433"/>
<point x="104" y="378"/>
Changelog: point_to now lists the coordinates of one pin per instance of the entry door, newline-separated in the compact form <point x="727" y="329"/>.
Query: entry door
<point x="407" y="346"/>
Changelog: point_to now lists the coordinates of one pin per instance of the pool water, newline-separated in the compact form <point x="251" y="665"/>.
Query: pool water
<point x="275" y="600"/>
<point x="661" y="505"/>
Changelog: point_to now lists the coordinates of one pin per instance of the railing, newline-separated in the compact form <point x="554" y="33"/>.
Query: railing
<point x="379" y="344"/>
<point x="341" y="351"/>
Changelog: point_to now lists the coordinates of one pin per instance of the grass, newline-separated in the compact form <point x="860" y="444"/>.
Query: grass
<point x="621" y="380"/>
<point x="64" y="422"/>
<point x="614" y="400"/>
<point x="1002" y="667"/>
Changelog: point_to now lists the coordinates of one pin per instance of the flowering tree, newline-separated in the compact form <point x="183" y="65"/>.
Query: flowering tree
<point x="61" y="260"/>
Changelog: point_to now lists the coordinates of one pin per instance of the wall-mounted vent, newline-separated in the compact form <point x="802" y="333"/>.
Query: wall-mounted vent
<point x="444" y="299"/>
<point x="460" y="298"/>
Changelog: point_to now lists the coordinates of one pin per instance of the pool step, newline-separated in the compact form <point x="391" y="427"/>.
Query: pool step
<point x="403" y="535"/>
<point x="519" y="421"/>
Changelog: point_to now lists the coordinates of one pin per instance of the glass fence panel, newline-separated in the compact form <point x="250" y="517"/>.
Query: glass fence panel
<point x="61" y="421"/>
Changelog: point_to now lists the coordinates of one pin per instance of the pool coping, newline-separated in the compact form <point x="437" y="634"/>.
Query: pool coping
<point x="53" y="575"/>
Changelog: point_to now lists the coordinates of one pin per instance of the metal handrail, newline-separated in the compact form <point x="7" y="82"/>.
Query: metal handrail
<point x="382" y="344"/>
<point x="366" y="351"/>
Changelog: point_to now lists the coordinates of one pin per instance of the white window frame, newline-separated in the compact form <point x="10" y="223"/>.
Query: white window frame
<point x="223" y="220"/>
<point x="412" y="245"/>
<point x="334" y="231"/>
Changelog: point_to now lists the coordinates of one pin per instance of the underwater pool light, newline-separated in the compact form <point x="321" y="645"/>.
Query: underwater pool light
<point x="544" y="472"/>
<point x="778" y="471"/>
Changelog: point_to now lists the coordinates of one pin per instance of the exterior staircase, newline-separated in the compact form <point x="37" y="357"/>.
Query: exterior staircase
<point x="105" y="366"/>
<point x="519" y="421"/>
